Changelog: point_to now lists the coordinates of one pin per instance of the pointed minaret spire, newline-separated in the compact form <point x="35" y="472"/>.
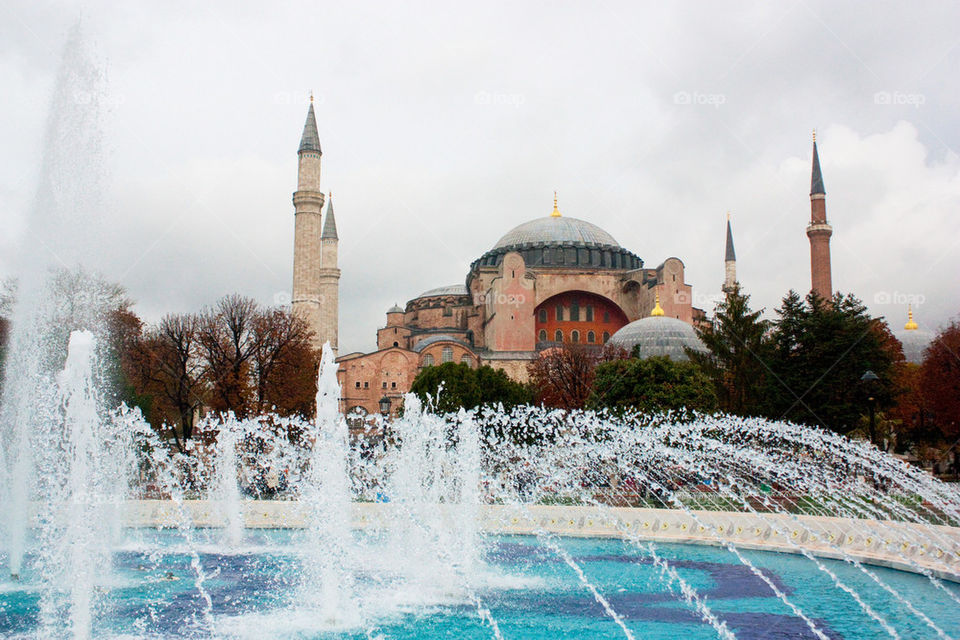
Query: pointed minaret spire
<point x="816" y="178"/>
<point x="310" y="140"/>
<point x="329" y="223"/>
<point x="819" y="231"/>
<point x="729" y="261"/>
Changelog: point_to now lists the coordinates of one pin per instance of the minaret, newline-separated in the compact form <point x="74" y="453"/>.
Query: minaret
<point x="729" y="261"/>
<point x="329" y="281"/>
<point x="819" y="231"/>
<point x="308" y="207"/>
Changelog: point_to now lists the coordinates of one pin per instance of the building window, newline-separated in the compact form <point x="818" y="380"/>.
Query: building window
<point x="575" y="311"/>
<point x="543" y="335"/>
<point x="446" y="355"/>
<point x="606" y="336"/>
<point x="358" y="384"/>
<point x="366" y="385"/>
<point x="606" y="317"/>
<point x="466" y="359"/>
<point x="559" y="313"/>
<point x="591" y="337"/>
<point x="558" y="336"/>
<point x="543" y="316"/>
<point x="575" y="336"/>
<point x="396" y="344"/>
<point x="393" y="385"/>
<point x="589" y="313"/>
<point x="384" y="385"/>
<point x="428" y="360"/>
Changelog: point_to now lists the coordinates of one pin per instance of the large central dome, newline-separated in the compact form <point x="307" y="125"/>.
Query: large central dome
<point x="556" y="230"/>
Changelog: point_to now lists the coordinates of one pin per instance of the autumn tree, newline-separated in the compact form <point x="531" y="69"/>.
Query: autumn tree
<point x="940" y="384"/>
<point x="228" y="342"/>
<point x="167" y="365"/>
<point x="284" y="364"/>
<point x="562" y="376"/>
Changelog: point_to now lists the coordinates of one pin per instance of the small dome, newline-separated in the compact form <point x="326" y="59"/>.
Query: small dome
<point x="658" y="336"/>
<point x="443" y="337"/>
<point x="914" y="342"/>
<point x="395" y="309"/>
<point x="450" y="290"/>
<point x="554" y="230"/>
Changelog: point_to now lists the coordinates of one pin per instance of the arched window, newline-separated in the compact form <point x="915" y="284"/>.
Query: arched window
<point x="558" y="336"/>
<point x="446" y="355"/>
<point x="396" y="344"/>
<point x="428" y="360"/>
<point x="575" y="311"/>
<point x="606" y="336"/>
<point x="591" y="337"/>
<point x="606" y="317"/>
<point x="559" y="313"/>
<point x="466" y="359"/>
<point x="589" y="313"/>
<point x="543" y="315"/>
<point x="543" y="335"/>
<point x="575" y="336"/>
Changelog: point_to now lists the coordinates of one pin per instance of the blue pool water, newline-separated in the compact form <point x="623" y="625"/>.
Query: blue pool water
<point x="530" y="591"/>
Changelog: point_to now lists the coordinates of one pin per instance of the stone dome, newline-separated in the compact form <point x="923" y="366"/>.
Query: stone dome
<point x="554" y="230"/>
<point x="658" y="336"/>
<point x="449" y="290"/>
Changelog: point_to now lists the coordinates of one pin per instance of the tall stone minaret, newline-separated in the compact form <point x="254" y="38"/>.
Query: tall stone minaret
<point x="819" y="231"/>
<point x="729" y="261"/>
<point x="308" y="207"/>
<point x="329" y="281"/>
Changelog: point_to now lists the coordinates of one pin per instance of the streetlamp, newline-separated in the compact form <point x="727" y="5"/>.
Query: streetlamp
<point x="870" y="380"/>
<point x="385" y="403"/>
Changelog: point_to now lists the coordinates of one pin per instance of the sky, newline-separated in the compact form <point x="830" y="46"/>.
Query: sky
<point x="444" y="125"/>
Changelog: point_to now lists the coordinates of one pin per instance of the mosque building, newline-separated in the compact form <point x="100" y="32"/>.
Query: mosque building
<point x="553" y="280"/>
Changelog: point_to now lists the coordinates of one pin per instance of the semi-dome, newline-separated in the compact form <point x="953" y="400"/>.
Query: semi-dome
<point x="554" y="230"/>
<point x="449" y="290"/>
<point x="658" y="336"/>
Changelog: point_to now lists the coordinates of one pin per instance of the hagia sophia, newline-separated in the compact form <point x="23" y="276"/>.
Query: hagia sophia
<point x="549" y="281"/>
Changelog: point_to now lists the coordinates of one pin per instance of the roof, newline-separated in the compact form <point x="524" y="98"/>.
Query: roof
<point x="329" y="222"/>
<point x="310" y="140"/>
<point x="426" y="342"/>
<point x="816" y="178"/>
<point x="449" y="290"/>
<point x="395" y="309"/>
<point x="556" y="230"/>
<point x="730" y="254"/>
<point x="658" y="336"/>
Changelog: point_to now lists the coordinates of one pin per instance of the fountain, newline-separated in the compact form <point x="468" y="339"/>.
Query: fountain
<point x="530" y="523"/>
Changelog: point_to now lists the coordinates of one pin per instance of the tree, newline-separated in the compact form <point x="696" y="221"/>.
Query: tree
<point x="284" y="364"/>
<point x="652" y="384"/>
<point x="166" y="365"/>
<point x="228" y="341"/>
<point x="940" y="384"/>
<point x="735" y="362"/>
<point x="451" y="386"/>
<point x="562" y="376"/>
<point x="819" y="350"/>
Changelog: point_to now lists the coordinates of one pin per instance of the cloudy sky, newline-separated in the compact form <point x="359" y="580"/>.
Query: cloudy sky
<point x="443" y="125"/>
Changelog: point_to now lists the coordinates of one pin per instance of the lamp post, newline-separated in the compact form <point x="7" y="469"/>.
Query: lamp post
<point x="869" y="380"/>
<point x="385" y="404"/>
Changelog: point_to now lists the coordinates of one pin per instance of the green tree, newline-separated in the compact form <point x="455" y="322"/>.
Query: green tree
<point x="652" y="384"/>
<point x="451" y="386"/>
<point x="819" y="350"/>
<point x="735" y="362"/>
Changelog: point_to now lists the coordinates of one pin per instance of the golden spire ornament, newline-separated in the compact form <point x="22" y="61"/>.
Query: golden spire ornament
<point x="556" y="211"/>
<point x="657" y="309"/>
<point x="911" y="325"/>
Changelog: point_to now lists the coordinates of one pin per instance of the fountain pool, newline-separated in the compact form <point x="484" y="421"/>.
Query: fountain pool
<point x="529" y="590"/>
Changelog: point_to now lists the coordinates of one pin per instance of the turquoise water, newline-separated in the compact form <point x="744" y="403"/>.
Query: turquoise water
<point x="530" y="591"/>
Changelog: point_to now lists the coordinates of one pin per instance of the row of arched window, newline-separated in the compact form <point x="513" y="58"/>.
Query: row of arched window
<point x="446" y="355"/>
<point x="574" y="336"/>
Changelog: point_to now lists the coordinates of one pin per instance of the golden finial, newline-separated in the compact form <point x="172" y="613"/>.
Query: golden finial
<point x="311" y="96"/>
<point x="911" y="325"/>
<point x="657" y="309"/>
<point x="728" y="216"/>
<point x="814" y="135"/>
<point x="556" y="211"/>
